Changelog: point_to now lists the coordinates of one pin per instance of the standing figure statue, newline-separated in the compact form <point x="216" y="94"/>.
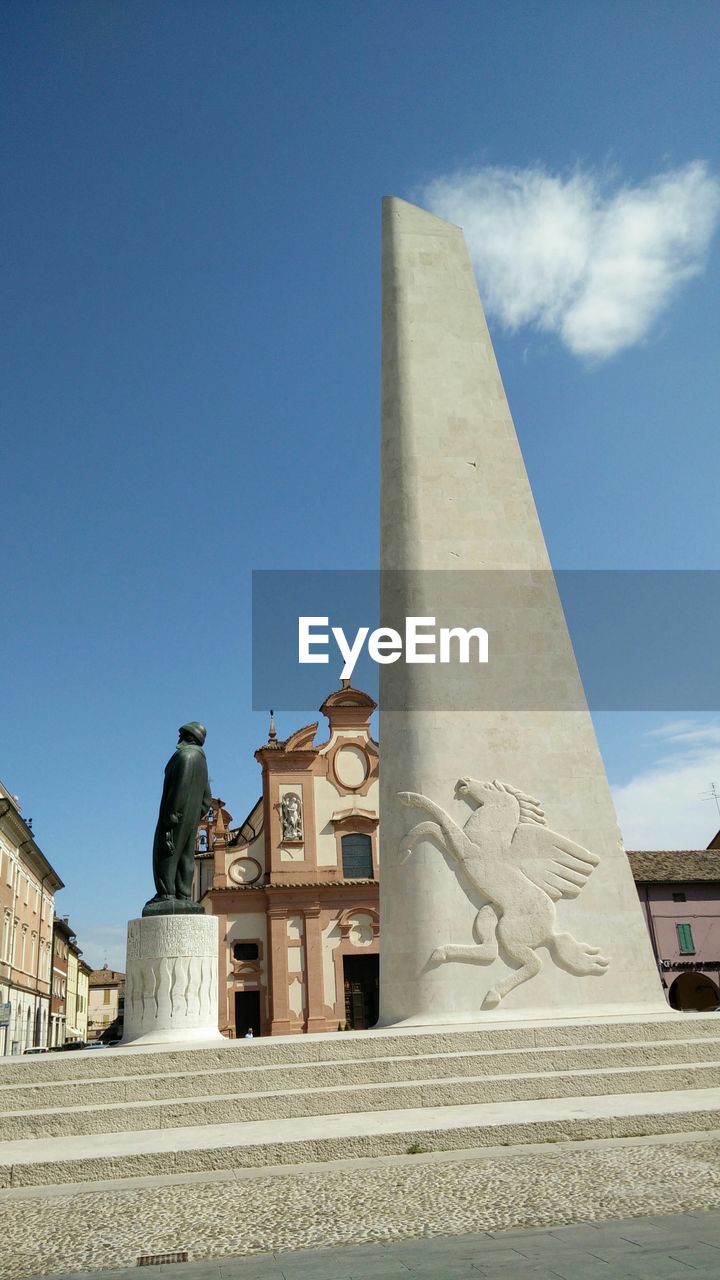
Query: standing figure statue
<point x="291" y="817"/>
<point x="185" y="800"/>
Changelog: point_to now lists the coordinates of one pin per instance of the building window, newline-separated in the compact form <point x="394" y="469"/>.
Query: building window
<point x="246" y="951"/>
<point x="679" y="897"/>
<point x="685" y="939"/>
<point x="106" y="996"/>
<point x="357" y="857"/>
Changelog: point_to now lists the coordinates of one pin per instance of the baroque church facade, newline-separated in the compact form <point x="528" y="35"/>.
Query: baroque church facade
<point x="295" y="886"/>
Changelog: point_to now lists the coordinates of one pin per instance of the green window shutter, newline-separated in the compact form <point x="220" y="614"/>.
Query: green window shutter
<point x="685" y="939"/>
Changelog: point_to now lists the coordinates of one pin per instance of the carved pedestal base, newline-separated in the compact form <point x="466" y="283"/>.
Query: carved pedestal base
<point x="171" y="984"/>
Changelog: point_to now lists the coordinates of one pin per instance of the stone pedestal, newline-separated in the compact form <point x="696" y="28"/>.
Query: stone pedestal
<point x="171" y="985"/>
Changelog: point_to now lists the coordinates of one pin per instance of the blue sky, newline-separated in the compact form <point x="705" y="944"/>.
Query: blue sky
<point x="190" y="337"/>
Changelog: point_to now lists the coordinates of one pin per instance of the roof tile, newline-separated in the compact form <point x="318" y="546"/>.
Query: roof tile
<point x="657" y="865"/>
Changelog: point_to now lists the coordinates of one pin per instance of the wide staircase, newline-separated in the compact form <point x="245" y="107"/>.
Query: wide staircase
<point x="122" y="1113"/>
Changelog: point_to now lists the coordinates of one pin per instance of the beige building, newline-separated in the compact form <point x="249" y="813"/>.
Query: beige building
<point x="106" y="1004"/>
<point x="296" y="885"/>
<point x="71" y="1031"/>
<point x="28" y="884"/>
<point x="77" y="993"/>
<point x="83" y="992"/>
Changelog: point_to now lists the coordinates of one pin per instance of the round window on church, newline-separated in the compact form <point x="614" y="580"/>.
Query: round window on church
<point x="244" y="870"/>
<point x="351" y="767"/>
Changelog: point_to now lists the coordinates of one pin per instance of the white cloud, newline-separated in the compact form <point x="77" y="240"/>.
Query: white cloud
<point x="570" y="256"/>
<point x="666" y="806"/>
<point x="687" y="731"/>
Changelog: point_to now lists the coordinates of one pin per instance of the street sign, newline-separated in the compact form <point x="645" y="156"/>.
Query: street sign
<point x="5" y="1011"/>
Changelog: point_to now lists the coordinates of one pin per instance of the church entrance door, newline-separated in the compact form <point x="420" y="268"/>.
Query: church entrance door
<point x="247" y="1013"/>
<point x="362" y="980"/>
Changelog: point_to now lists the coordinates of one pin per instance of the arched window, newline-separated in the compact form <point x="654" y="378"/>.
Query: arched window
<point x="357" y="857"/>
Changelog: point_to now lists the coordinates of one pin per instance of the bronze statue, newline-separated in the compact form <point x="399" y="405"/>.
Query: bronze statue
<point x="185" y="800"/>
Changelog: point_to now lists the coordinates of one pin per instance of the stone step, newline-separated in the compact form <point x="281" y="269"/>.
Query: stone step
<point x="98" y="1064"/>
<point x="210" y="1109"/>
<point x="304" y="1140"/>
<point x="82" y="1091"/>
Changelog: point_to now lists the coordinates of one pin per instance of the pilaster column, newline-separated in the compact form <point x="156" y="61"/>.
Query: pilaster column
<point x="314" y="969"/>
<point x="280" y="1014"/>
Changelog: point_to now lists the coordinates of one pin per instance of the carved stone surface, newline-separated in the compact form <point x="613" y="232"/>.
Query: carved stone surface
<point x="291" y="816"/>
<point x="171" y="984"/>
<point x="511" y="857"/>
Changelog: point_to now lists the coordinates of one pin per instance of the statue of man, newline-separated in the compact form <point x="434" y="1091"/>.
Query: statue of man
<point x="185" y="799"/>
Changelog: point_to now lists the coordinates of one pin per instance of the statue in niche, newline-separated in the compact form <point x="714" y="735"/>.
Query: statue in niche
<point x="291" y="816"/>
<point x="185" y="800"/>
<point x="510" y="855"/>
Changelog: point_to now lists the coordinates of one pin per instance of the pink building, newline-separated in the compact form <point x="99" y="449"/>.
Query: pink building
<point x="679" y="890"/>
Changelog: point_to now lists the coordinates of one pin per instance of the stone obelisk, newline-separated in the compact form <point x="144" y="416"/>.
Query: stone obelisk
<point x="505" y="890"/>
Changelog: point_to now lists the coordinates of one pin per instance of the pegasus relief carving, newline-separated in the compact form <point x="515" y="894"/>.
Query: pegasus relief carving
<point x="513" y="859"/>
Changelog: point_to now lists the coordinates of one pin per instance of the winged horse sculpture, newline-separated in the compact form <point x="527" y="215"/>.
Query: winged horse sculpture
<point x="511" y="856"/>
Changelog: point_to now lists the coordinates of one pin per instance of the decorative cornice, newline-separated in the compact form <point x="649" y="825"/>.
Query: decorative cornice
<point x="342" y="816"/>
<point x="347" y="697"/>
<point x="20" y="835"/>
<point x="318" y="884"/>
<point x="301" y="741"/>
<point x="290" y="884"/>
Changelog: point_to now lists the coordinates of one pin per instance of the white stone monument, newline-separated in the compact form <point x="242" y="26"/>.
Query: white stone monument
<point x="505" y="890"/>
<point x="171" y="981"/>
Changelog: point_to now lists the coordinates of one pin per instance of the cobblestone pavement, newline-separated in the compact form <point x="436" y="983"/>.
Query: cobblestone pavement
<point x="635" y="1249"/>
<point x="429" y="1215"/>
